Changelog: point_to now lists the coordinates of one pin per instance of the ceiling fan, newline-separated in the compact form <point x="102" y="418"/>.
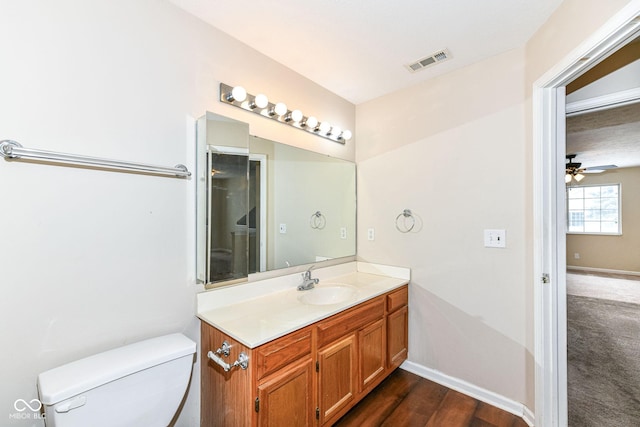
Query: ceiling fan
<point x="575" y="171"/>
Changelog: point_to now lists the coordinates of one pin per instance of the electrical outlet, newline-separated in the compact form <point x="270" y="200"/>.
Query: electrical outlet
<point x="371" y="234"/>
<point x="283" y="228"/>
<point x="343" y="232"/>
<point x="576" y="255"/>
<point x="495" y="238"/>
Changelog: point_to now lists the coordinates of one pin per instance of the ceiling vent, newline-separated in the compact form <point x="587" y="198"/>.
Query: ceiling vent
<point x="430" y="60"/>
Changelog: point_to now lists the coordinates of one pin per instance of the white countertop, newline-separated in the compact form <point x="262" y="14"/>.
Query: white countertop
<point x="254" y="320"/>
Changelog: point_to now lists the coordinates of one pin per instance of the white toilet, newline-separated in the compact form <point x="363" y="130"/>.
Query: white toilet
<point x="141" y="384"/>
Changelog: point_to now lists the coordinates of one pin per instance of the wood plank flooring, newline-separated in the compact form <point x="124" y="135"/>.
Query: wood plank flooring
<point x="407" y="400"/>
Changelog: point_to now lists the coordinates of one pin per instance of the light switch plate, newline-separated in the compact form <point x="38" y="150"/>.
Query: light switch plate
<point x="283" y="228"/>
<point x="495" y="238"/>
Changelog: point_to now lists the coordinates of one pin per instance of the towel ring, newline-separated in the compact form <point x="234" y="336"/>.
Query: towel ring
<point x="403" y="226"/>
<point x="317" y="221"/>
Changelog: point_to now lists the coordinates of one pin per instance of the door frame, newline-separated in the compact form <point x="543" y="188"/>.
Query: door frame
<point x="262" y="159"/>
<point x="549" y="242"/>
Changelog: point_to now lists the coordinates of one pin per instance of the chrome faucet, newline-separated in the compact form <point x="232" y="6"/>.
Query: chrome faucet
<point x="307" y="281"/>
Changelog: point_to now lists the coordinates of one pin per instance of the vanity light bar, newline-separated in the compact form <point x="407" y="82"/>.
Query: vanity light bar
<point x="260" y="104"/>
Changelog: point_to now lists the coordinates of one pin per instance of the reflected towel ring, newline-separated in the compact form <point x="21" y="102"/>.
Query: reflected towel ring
<point x="317" y="221"/>
<point x="403" y="226"/>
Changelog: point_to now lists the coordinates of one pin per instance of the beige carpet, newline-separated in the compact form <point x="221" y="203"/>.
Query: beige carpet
<point x="615" y="288"/>
<point x="603" y="334"/>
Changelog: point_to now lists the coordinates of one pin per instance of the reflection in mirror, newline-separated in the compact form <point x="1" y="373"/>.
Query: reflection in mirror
<point x="310" y="205"/>
<point x="264" y="205"/>
<point x="228" y="231"/>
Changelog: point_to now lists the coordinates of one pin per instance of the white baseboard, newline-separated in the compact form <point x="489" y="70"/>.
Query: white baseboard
<point x="603" y="270"/>
<point x="471" y="390"/>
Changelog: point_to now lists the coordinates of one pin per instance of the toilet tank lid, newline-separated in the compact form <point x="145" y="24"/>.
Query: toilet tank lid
<point x="85" y="374"/>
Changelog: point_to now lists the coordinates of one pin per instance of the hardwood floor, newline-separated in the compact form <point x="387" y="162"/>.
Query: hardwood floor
<point x="405" y="399"/>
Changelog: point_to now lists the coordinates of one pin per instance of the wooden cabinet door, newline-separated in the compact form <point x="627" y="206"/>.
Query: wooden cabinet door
<point x="372" y="354"/>
<point x="286" y="397"/>
<point x="337" y="377"/>
<point x="397" y="336"/>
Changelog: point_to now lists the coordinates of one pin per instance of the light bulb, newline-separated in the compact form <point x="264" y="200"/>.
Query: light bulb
<point x="280" y="108"/>
<point x="296" y="116"/>
<point x="261" y="101"/>
<point x="325" y="127"/>
<point x="311" y="122"/>
<point x="347" y="135"/>
<point x="336" y="131"/>
<point x="567" y="178"/>
<point x="238" y="93"/>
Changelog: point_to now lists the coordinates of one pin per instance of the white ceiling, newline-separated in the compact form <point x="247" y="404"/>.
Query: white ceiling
<point x="358" y="49"/>
<point x="607" y="137"/>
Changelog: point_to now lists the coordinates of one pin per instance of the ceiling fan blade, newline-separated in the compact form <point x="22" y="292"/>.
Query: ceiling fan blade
<point x="598" y="169"/>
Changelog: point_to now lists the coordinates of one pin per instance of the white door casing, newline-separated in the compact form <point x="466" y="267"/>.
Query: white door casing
<point x="549" y="210"/>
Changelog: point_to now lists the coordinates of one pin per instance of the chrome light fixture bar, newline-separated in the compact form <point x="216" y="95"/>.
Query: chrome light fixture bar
<point x="260" y="104"/>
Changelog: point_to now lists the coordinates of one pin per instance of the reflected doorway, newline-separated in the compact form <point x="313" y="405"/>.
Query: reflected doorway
<point x="236" y="233"/>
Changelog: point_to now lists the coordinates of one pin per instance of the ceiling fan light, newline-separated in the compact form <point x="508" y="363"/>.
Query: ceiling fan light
<point x="567" y="178"/>
<point x="579" y="177"/>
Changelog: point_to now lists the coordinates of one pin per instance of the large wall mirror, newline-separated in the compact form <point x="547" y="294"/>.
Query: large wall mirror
<point x="264" y="205"/>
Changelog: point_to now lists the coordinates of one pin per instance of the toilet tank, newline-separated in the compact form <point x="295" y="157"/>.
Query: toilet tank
<point x="141" y="384"/>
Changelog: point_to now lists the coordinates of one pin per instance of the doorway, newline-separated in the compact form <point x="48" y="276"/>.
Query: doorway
<point x="549" y="213"/>
<point x="603" y="246"/>
<point x="258" y="212"/>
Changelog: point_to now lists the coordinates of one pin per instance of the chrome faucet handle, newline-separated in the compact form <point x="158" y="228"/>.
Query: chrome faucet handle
<point x="307" y="273"/>
<point x="307" y="281"/>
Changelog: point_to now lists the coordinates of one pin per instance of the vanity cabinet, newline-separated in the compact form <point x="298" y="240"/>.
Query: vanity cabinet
<point x="397" y="327"/>
<point x="286" y="399"/>
<point x="337" y="378"/>
<point x="310" y="377"/>
<point x="285" y="381"/>
<point x="373" y="354"/>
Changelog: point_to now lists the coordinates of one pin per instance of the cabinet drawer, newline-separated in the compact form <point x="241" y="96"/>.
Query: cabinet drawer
<point x="350" y="320"/>
<point x="274" y="355"/>
<point x="397" y="299"/>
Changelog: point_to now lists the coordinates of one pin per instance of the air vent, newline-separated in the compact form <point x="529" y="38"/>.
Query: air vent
<point x="430" y="60"/>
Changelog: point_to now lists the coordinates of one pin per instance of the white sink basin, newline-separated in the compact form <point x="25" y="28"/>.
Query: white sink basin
<point x="327" y="294"/>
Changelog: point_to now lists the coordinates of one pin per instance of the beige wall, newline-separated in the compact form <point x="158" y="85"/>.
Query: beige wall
<point x="612" y="252"/>
<point x="92" y="259"/>
<point x="454" y="158"/>
<point x="457" y="150"/>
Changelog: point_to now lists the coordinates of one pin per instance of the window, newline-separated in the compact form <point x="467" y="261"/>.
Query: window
<point x="594" y="209"/>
